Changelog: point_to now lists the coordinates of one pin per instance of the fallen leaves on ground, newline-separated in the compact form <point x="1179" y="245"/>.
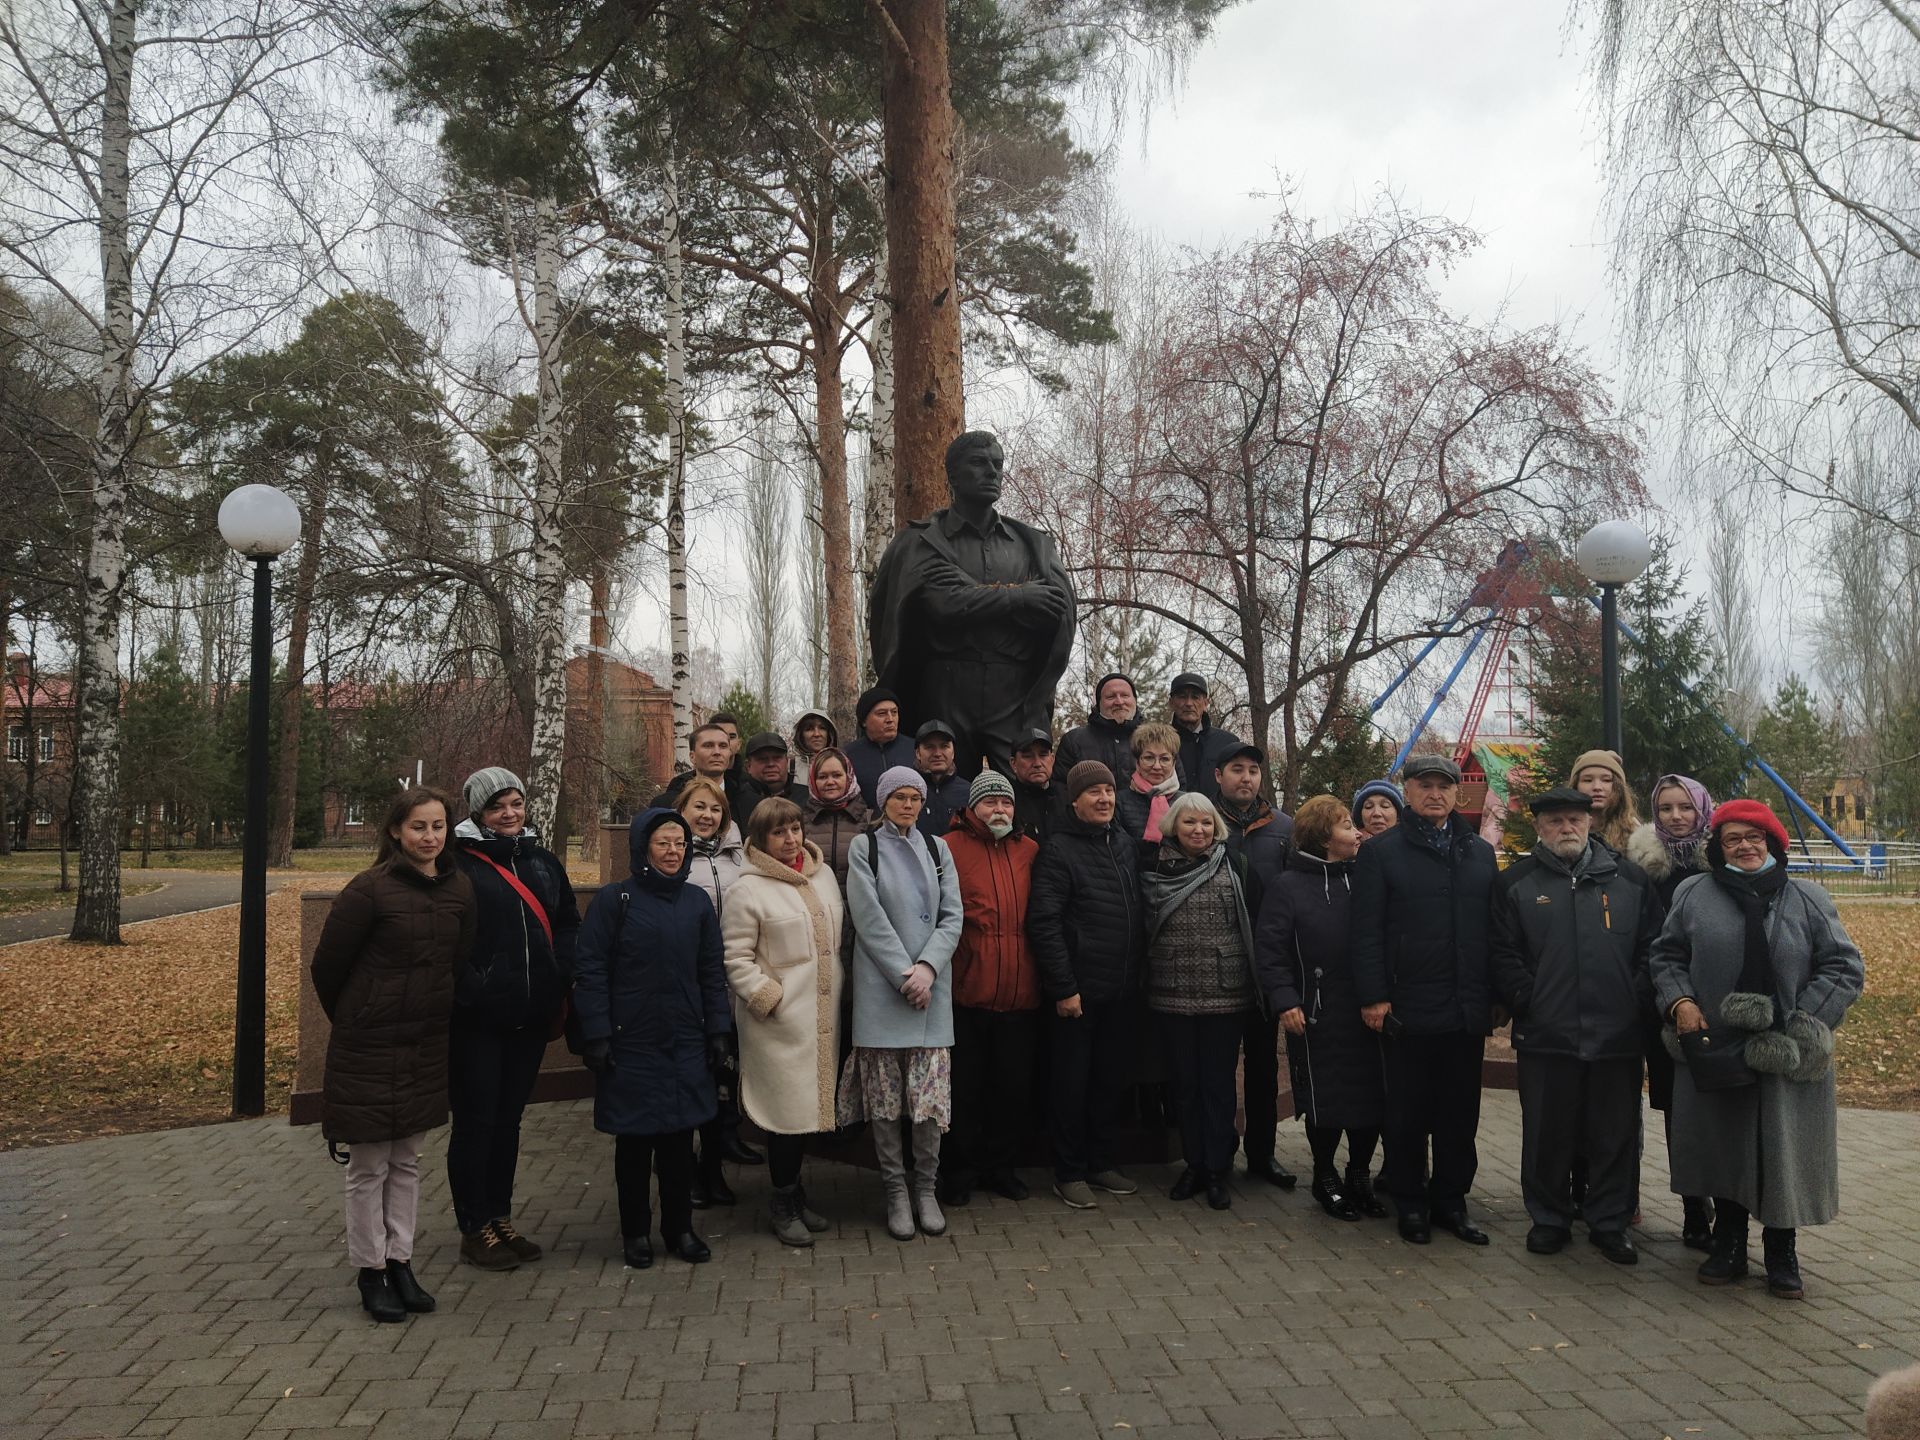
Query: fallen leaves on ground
<point x="1877" y="1050"/>
<point x="107" y="1039"/>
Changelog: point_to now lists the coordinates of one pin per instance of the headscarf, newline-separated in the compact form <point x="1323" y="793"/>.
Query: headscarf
<point x="832" y="752"/>
<point x="1683" y="846"/>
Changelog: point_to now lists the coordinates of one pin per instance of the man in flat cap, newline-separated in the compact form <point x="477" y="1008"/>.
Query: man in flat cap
<point x="768" y="772"/>
<point x="1572" y="926"/>
<point x="971" y="615"/>
<point x="1420" y="897"/>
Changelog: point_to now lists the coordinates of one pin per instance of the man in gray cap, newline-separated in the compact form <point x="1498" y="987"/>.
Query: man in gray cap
<point x="946" y="791"/>
<point x="1420" y="897"/>
<point x="1572" y="925"/>
<point x="1204" y="748"/>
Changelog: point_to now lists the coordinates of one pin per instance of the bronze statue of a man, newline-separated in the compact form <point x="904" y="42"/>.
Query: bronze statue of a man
<point x="971" y="615"/>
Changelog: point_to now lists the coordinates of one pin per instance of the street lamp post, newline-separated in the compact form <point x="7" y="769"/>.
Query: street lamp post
<point x="259" y="522"/>
<point x="1611" y="554"/>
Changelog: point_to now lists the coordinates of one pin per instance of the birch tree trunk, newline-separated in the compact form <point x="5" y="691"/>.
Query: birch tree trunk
<point x="680" y="632"/>
<point x="591" y="747"/>
<point x="917" y="111"/>
<point x="549" y="562"/>
<point x="286" y="789"/>
<point x="97" y="915"/>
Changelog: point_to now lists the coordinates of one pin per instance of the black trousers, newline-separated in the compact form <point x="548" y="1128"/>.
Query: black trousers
<point x="995" y="1065"/>
<point x="1202" y="1052"/>
<point x="1572" y="1109"/>
<point x="1088" y="1075"/>
<point x="784" y="1154"/>
<point x="490" y="1075"/>
<point x="1261" y="1040"/>
<point x="726" y="1120"/>
<point x="635" y="1157"/>
<point x="1433" y="1098"/>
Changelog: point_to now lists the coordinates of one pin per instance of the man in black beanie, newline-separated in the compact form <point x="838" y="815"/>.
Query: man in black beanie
<point x="1108" y="734"/>
<point x="880" y="746"/>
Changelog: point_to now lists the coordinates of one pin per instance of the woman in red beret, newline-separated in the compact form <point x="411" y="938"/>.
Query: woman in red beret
<point x="1750" y="956"/>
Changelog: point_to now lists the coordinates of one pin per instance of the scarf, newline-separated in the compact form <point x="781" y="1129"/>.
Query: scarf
<point x="709" y="846"/>
<point x="1682" y="848"/>
<point x="1162" y="794"/>
<point x="1753" y="892"/>
<point x="1168" y="884"/>
<point x="1257" y="813"/>
<point x="1421" y="831"/>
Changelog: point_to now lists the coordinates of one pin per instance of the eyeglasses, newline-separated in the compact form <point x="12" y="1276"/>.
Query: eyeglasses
<point x="1744" y="842"/>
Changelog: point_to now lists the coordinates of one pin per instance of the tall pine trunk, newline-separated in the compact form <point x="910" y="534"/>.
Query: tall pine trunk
<point x="836" y="513"/>
<point x="917" y="112"/>
<point x="286" y="788"/>
<point x="680" y="631"/>
<point x="549" y="562"/>
<point x="591" y="743"/>
<point x="878" y="503"/>
<point x="97" y="916"/>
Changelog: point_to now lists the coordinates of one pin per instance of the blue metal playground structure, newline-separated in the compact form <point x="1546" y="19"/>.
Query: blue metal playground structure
<point x="1496" y="608"/>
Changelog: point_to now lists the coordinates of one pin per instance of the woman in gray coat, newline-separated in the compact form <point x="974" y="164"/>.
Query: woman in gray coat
<point x="1748" y="950"/>
<point x="903" y="899"/>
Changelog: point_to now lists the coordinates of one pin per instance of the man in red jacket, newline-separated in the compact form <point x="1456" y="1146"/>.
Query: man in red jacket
<point x="997" y="1017"/>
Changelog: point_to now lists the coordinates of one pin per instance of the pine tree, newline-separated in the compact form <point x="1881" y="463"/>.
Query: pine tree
<point x="1800" y="746"/>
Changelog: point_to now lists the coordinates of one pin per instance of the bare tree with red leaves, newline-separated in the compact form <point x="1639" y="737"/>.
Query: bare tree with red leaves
<point x="1310" y="458"/>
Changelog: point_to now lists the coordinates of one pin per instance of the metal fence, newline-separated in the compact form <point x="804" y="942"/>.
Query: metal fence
<point x="1878" y="867"/>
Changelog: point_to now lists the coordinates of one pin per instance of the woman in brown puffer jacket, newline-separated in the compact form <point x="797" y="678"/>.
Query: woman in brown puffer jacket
<point x="384" y="973"/>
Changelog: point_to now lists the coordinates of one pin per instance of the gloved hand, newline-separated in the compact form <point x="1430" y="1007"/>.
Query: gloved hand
<point x="719" y="1052"/>
<point x="598" y="1056"/>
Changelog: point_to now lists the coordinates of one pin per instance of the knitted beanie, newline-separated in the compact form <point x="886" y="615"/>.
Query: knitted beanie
<point x="1606" y="760"/>
<point x="878" y="695"/>
<point x="988" y="782"/>
<point x="1084" y="776"/>
<point x="899" y="777"/>
<point x="483" y="786"/>
<point x="1376" y="787"/>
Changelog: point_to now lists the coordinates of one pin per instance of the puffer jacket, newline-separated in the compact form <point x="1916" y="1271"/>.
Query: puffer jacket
<point x="1086" y="921"/>
<point x="1037" y="808"/>
<point x="871" y="761"/>
<point x="744" y="793"/>
<point x="832" y="828"/>
<point x="946" y="798"/>
<point x="1262" y="837"/>
<point x="1108" y="741"/>
<point x="651" y="981"/>
<point x="384" y="974"/>
<point x="514" y="977"/>
<point x="993" y="968"/>
<point x="1420" y="929"/>
<point x="1569" y="953"/>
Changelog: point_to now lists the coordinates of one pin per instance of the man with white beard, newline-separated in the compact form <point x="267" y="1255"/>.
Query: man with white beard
<point x="1570" y="930"/>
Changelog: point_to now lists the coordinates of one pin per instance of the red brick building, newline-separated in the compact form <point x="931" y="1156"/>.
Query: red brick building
<point x="37" y="776"/>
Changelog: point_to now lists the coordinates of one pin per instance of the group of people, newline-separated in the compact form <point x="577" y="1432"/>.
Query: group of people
<point x="816" y="937"/>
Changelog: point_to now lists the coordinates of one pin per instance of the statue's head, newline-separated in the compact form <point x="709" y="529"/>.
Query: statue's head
<point x="974" y="465"/>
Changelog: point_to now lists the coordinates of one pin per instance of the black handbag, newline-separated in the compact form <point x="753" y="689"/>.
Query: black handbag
<point x="1716" y="1058"/>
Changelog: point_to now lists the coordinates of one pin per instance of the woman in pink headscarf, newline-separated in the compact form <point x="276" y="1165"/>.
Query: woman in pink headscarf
<point x="1672" y="847"/>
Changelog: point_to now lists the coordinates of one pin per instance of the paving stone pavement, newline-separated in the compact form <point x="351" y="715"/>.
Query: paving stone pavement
<point x="193" y="1283"/>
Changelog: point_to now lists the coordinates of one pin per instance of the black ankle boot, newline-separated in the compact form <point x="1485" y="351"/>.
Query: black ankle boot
<point x="1783" y="1264"/>
<point x="1727" y="1262"/>
<point x="412" y="1297"/>
<point x="1359" y="1189"/>
<point x="1326" y="1189"/>
<point x="377" y="1297"/>
<point x="715" y="1182"/>
<point x="1696" y="1224"/>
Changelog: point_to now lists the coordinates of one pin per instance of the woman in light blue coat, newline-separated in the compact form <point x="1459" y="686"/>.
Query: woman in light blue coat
<point x="903" y="899"/>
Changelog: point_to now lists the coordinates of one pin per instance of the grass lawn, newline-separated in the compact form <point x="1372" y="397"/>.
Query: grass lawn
<point x="140" y="1036"/>
<point x="31" y="892"/>
<point x="25" y="868"/>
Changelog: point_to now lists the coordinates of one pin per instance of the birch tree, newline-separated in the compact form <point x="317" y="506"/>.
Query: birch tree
<point x="157" y="151"/>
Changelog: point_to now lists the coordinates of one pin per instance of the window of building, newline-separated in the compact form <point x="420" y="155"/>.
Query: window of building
<point x="43" y="814"/>
<point x="1859" y="807"/>
<point x="1826" y="807"/>
<point x="46" y="742"/>
<point x="16" y="743"/>
<point x="356" y="813"/>
<point x="140" y="813"/>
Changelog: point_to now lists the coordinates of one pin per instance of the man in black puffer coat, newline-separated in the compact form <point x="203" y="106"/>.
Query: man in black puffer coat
<point x="1204" y="747"/>
<point x="1572" y="925"/>
<point x="508" y="997"/>
<point x="1108" y="734"/>
<point x="1421" y="893"/>
<point x="1087" y="929"/>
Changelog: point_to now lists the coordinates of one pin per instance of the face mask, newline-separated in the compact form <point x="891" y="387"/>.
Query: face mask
<point x="1771" y="862"/>
<point x="999" y="827"/>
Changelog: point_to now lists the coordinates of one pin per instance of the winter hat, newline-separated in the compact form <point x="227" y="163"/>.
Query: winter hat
<point x="1561" y="797"/>
<point x="988" y="782"/>
<point x="899" y="777"/>
<point x="1087" y="774"/>
<point x="484" y="786"/>
<point x="1101" y="684"/>
<point x="1376" y="787"/>
<point x="878" y="695"/>
<point x="1750" y="812"/>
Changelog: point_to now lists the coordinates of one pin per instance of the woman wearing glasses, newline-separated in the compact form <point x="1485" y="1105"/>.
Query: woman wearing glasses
<point x="1750" y="955"/>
